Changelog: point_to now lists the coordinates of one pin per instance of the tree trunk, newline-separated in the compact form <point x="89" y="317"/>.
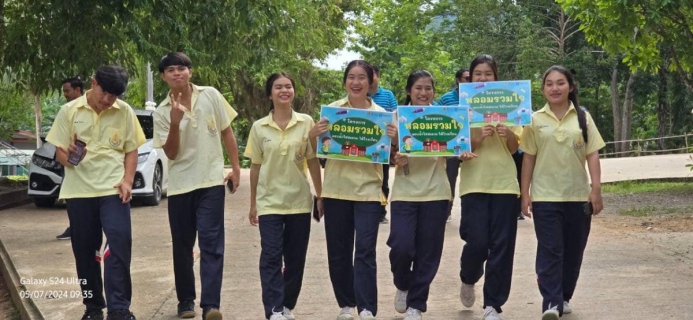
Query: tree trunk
<point x="626" y="112"/>
<point x="595" y="108"/>
<point x="38" y="117"/>
<point x="616" y="108"/>
<point x="664" y="125"/>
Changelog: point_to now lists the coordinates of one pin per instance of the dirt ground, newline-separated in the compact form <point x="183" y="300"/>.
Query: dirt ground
<point x="7" y="310"/>
<point x="648" y="212"/>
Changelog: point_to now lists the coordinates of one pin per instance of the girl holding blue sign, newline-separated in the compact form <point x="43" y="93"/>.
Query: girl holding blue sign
<point x="353" y="200"/>
<point x="280" y="196"/>
<point x="489" y="191"/>
<point x="419" y="210"/>
<point x="560" y="140"/>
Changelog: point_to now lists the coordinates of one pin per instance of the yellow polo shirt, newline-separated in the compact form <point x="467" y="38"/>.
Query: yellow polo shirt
<point x="200" y="160"/>
<point x="427" y="181"/>
<point x="561" y="154"/>
<point x="282" y="186"/>
<point x="493" y="170"/>
<point x="108" y="135"/>
<point x="350" y="180"/>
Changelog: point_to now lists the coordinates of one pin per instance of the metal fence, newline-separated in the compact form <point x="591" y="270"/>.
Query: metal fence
<point x="644" y="147"/>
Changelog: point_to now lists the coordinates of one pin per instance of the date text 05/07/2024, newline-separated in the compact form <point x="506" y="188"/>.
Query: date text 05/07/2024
<point x="52" y="281"/>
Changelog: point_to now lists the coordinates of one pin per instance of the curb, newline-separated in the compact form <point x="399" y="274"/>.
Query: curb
<point x="14" y="198"/>
<point x="26" y="307"/>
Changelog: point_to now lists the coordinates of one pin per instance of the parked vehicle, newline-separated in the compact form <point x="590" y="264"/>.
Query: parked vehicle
<point x="151" y="177"/>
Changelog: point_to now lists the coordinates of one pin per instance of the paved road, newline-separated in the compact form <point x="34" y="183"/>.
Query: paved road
<point x="624" y="276"/>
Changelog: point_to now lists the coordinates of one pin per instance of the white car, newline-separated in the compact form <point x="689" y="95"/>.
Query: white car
<point x="151" y="177"/>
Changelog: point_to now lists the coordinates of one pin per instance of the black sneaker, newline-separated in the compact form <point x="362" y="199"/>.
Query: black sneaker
<point x="65" y="235"/>
<point x="121" y="314"/>
<point x="211" y="314"/>
<point x="186" y="309"/>
<point x="93" y="314"/>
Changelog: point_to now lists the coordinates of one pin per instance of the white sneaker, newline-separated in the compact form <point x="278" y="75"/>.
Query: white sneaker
<point x="277" y="316"/>
<point x="401" y="301"/>
<point x="287" y="314"/>
<point x="551" y="314"/>
<point x="467" y="295"/>
<point x="490" y="313"/>
<point x="413" y="314"/>
<point x="345" y="314"/>
<point x="567" y="308"/>
<point x="366" y="315"/>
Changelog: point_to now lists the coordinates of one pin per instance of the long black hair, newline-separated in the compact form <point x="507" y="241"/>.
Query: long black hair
<point x="359" y="63"/>
<point x="413" y="77"/>
<point x="270" y="83"/>
<point x="572" y="95"/>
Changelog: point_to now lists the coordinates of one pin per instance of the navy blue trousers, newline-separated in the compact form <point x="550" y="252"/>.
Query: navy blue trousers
<point x="386" y="186"/>
<point x="198" y="213"/>
<point x="349" y="225"/>
<point x="284" y="241"/>
<point x="562" y="230"/>
<point x="417" y="232"/>
<point x="88" y="217"/>
<point x="489" y="228"/>
<point x="452" y="169"/>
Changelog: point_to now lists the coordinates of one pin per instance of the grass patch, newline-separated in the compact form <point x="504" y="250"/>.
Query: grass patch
<point x="630" y="187"/>
<point x="646" y="211"/>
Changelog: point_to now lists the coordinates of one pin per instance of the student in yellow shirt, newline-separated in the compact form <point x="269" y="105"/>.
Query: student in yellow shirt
<point x="560" y="140"/>
<point x="489" y="191"/>
<point x="99" y="189"/>
<point x="352" y="200"/>
<point x="419" y="211"/>
<point x="280" y="196"/>
<point x="190" y="125"/>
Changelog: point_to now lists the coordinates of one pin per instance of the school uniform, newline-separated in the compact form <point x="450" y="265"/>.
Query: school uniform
<point x="419" y="210"/>
<point x="559" y="189"/>
<point x="93" y="205"/>
<point x="283" y="203"/>
<point x="353" y="200"/>
<point x="489" y="193"/>
<point x="196" y="191"/>
<point x="451" y="98"/>
<point x="386" y="99"/>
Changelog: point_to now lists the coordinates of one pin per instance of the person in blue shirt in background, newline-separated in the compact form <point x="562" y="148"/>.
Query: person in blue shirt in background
<point x="452" y="98"/>
<point x="386" y="99"/>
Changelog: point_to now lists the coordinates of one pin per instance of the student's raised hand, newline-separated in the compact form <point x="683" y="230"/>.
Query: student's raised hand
<point x="177" y="109"/>
<point x="504" y="131"/>
<point x="487" y="131"/>
<point x="596" y="200"/>
<point x="319" y="128"/>
<point x="526" y="206"/>
<point x="401" y="159"/>
<point x="466" y="156"/>
<point x="392" y="131"/>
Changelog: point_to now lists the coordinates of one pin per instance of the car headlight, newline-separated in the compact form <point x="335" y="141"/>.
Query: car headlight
<point x="46" y="163"/>
<point x="142" y="157"/>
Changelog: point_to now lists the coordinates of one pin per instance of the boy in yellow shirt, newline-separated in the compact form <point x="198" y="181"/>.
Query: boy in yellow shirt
<point x="98" y="189"/>
<point x="189" y="125"/>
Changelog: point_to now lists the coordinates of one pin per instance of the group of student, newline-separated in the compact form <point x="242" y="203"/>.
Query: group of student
<point x="192" y="123"/>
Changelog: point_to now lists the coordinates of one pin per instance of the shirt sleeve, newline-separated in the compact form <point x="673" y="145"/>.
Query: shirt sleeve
<point x="594" y="138"/>
<point x="134" y="136"/>
<point x="162" y="126"/>
<point x="60" y="134"/>
<point x="528" y="144"/>
<point x="225" y="113"/>
<point x="253" y="149"/>
<point x="310" y="153"/>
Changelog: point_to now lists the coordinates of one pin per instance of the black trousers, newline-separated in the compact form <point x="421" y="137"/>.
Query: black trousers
<point x="351" y="231"/>
<point x="198" y="213"/>
<point x="417" y="232"/>
<point x="385" y="187"/>
<point x="489" y="228"/>
<point x="452" y="169"/>
<point x="284" y="241"/>
<point x="88" y="217"/>
<point x="562" y="230"/>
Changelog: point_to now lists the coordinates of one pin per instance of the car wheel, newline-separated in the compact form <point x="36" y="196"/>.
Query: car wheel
<point x="155" y="198"/>
<point x="44" y="202"/>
